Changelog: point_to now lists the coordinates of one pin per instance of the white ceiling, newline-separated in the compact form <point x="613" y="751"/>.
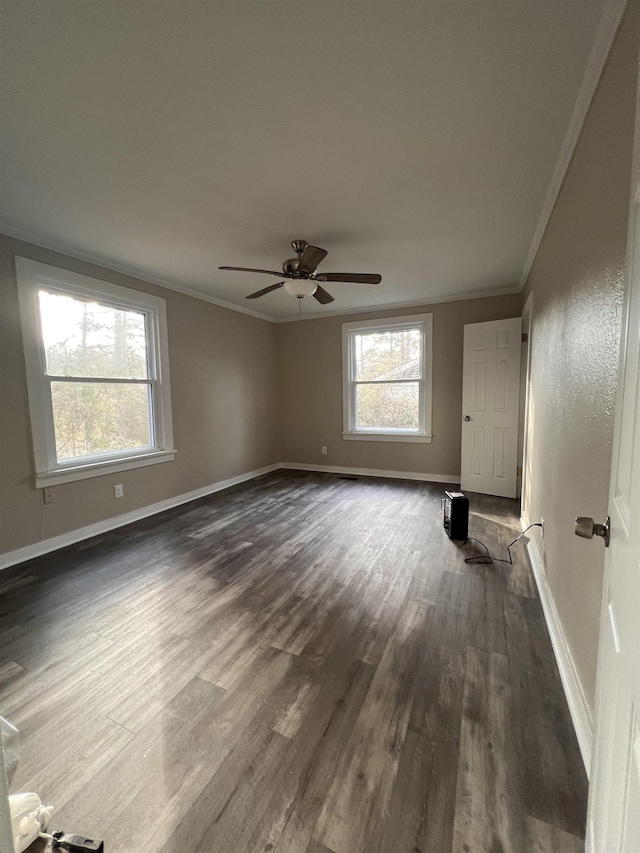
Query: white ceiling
<point x="414" y="139"/>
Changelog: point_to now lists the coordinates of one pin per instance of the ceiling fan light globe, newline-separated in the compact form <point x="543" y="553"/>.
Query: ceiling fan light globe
<point x="300" y="287"/>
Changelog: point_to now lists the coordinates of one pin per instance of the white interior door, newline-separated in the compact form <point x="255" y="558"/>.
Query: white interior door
<point x="490" y="407"/>
<point x="614" y="796"/>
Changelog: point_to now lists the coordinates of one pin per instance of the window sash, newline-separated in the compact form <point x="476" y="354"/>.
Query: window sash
<point x="353" y="414"/>
<point x="155" y="430"/>
<point x="34" y="277"/>
<point x="106" y="455"/>
<point x="386" y="381"/>
<point x="354" y="382"/>
<point x="350" y="331"/>
<point x="353" y="356"/>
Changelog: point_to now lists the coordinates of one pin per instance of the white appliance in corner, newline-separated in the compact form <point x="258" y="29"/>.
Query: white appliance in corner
<point x="490" y="407"/>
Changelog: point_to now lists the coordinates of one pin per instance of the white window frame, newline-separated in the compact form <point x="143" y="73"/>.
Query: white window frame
<point x="33" y="276"/>
<point x="423" y="322"/>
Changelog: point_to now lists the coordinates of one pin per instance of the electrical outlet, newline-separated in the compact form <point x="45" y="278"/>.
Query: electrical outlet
<point x="542" y="527"/>
<point x="324" y="451"/>
<point x="118" y="491"/>
<point x="48" y="496"/>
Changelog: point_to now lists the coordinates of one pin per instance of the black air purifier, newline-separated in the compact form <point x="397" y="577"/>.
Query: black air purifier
<point x="456" y="515"/>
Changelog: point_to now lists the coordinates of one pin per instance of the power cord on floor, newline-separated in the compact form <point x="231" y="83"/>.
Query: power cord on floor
<point x="486" y="559"/>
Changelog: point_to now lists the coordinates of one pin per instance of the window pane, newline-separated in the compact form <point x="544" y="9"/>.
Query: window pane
<point x="388" y="355"/>
<point x="92" y="339"/>
<point x="393" y="406"/>
<point x="96" y="417"/>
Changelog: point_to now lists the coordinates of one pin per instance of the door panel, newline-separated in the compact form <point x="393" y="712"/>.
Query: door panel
<point x="614" y="795"/>
<point x="491" y="400"/>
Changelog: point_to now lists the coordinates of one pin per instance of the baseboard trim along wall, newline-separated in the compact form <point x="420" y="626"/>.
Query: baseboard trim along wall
<point x="46" y="546"/>
<point x="373" y="472"/>
<point x="20" y="555"/>
<point x="580" y="712"/>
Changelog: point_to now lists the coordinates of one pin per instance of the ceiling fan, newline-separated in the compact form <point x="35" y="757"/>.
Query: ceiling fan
<point x="303" y="277"/>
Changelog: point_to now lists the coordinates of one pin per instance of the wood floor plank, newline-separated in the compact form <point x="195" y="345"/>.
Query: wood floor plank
<point x="9" y="672"/>
<point x="422" y="804"/>
<point x="367" y="771"/>
<point x="393" y="591"/>
<point x="544" y="838"/>
<point x="488" y="815"/>
<point x="100" y="802"/>
<point x="224" y="814"/>
<point x="159" y="683"/>
<point x="316" y="847"/>
<point x="551" y="789"/>
<point x="181" y="783"/>
<point x="312" y="759"/>
<point x="74" y="767"/>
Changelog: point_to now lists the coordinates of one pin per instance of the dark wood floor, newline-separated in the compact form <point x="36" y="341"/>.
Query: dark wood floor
<point x="302" y="664"/>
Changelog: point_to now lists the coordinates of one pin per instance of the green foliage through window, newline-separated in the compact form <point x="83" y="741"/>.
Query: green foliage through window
<point x="385" y="362"/>
<point x="96" y="341"/>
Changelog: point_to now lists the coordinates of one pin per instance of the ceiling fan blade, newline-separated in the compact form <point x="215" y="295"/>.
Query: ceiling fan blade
<point x="358" y="278"/>
<point x="322" y="296"/>
<point x="264" y="290"/>
<point x="246" y="269"/>
<point x="310" y="259"/>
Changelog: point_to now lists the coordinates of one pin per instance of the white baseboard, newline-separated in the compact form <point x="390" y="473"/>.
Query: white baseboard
<point x="46" y="546"/>
<point x="579" y="708"/>
<point x="20" y="555"/>
<point x="373" y="472"/>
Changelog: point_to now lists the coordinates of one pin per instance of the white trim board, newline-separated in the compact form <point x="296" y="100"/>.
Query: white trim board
<point x="46" y="546"/>
<point x="373" y="472"/>
<point x="461" y="296"/>
<point x="602" y="43"/>
<point x="578" y="706"/>
<point x="141" y="275"/>
<point x="123" y="269"/>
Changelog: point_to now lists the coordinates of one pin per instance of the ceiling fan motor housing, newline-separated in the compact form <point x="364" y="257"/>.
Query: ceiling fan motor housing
<point x="290" y="267"/>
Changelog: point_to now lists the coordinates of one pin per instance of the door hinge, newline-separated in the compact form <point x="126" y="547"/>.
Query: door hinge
<point x="525" y="337"/>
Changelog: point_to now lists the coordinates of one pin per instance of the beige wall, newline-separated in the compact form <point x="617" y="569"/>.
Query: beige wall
<point x="577" y="285"/>
<point x="224" y="396"/>
<point x="310" y="372"/>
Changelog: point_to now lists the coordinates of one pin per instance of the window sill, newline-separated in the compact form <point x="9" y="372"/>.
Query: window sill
<point x="97" y="469"/>
<point x="386" y="436"/>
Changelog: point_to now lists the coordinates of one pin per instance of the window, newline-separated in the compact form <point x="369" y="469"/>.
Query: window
<point x="97" y="372"/>
<point x="387" y="379"/>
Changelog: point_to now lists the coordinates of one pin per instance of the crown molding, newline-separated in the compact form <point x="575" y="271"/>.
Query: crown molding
<point x="605" y="34"/>
<point x="436" y="300"/>
<point x="106" y="263"/>
<point x="142" y="275"/>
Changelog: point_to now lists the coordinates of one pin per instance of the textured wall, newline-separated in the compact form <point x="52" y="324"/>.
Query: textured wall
<point x="223" y="390"/>
<point x="310" y="373"/>
<point x="577" y="284"/>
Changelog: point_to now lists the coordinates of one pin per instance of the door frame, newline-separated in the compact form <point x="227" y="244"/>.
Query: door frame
<point x="523" y="427"/>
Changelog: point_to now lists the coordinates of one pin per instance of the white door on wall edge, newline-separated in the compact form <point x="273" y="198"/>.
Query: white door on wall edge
<point x="490" y="407"/>
<point x="613" y="823"/>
